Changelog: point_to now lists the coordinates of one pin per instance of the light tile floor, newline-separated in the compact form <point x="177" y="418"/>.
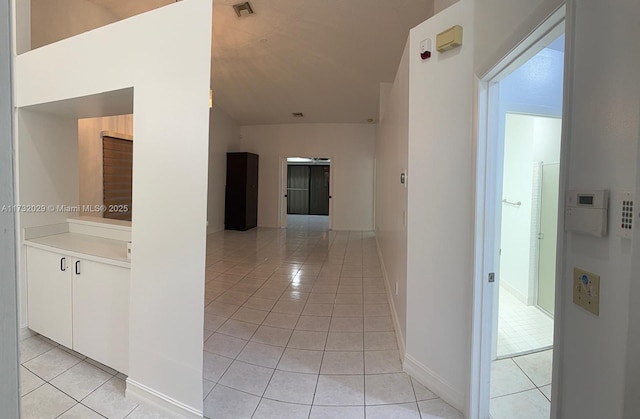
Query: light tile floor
<point x="297" y="325"/>
<point x="56" y="382"/>
<point x="521" y="328"/>
<point x="521" y="387"/>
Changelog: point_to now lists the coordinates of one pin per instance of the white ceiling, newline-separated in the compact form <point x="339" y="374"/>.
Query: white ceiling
<point x="325" y="58"/>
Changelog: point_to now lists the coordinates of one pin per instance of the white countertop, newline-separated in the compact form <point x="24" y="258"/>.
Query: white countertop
<point x="99" y="249"/>
<point x="101" y="222"/>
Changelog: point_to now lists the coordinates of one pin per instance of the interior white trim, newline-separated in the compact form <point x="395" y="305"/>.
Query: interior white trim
<point x="394" y="315"/>
<point x="159" y="402"/>
<point x="434" y="382"/>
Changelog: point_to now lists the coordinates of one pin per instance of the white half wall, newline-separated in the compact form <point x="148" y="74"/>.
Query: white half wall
<point x="441" y="208"/>
<point x="224" y="136"/>
<point x="351" y="148"/>
<point x="170" y="82"/>
<point x="392" y="139"/>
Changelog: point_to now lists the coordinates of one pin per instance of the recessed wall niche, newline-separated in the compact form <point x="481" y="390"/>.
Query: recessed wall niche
<point x="104" y="164"/>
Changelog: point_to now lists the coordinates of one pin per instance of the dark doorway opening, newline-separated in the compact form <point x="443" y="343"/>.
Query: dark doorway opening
<point x="308" y="189"/>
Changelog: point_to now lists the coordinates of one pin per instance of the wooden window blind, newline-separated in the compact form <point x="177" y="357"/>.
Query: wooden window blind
<point x="117" y="159"/>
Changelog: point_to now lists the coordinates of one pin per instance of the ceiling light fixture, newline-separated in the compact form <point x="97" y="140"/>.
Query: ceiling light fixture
<point x="297" y="114"/>
<point x="243" y="9"/>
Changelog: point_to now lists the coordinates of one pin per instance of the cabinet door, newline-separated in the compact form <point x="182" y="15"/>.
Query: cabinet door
<point x="49" y="295"/>
<point x="101" y="312"/>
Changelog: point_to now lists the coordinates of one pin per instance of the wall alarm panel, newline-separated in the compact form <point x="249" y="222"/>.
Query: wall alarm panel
<point x="586" y="212"/>
<point x="625" y="219"/>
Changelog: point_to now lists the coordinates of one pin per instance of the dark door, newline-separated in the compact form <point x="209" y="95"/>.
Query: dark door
<point x="298" y="190"/>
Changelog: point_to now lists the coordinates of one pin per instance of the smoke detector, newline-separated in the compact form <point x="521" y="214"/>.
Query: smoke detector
<point x="243" y="9"/>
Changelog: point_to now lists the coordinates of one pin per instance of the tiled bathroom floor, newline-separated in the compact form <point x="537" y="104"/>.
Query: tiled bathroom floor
<point x="297" y="325"/>
<point x="521" y="328"/>
<point x="521" y="387"/>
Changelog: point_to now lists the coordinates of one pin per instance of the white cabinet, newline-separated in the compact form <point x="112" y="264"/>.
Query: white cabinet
<point x="49" y="295"/>
<point x="82" y="304"/>
<point x="101" y="313"/>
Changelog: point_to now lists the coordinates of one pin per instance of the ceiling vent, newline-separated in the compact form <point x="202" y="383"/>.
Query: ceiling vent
<point x="243" y="9"/>
<point x="297" y="114"/>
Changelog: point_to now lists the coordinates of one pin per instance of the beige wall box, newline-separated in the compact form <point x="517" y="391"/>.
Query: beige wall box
<point x="449" y="39"/>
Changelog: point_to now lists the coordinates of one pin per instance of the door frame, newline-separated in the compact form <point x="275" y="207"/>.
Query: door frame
<point x="536" y="290"/>
<point x="9" y="320"/>
<point x="488" y="208"/>
<point x="282" y="201"/>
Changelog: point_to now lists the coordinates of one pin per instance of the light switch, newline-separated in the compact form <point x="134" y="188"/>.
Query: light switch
<point x="586" y="290"/>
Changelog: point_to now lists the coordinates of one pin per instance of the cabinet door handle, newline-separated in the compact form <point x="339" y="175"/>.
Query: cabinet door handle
<point x="77" y="267"/>
<point x="63" y="266"/>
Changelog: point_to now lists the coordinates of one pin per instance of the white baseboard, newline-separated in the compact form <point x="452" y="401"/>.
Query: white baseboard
<point x="433" y="382"/>
<point x="352" y="229"/>
<point x="26" y="333"/>
<point x="392" y="306"/>
<point x="518" y="295"/>
<point x="159" y="402"/>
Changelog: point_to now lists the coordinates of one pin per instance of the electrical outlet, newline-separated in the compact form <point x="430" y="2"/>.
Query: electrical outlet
<point x="586" y="290"/>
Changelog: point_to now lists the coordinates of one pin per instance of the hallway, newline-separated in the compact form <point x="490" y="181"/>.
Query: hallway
<point x="297" y="325"/>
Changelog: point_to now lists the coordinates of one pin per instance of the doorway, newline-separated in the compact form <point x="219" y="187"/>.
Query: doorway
<point x="305" y="186"/>
<point x="528" y="232"/>
<point x="519" y="154"/>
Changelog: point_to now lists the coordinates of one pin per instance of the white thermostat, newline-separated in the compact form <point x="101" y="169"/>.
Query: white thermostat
<point x="586" y="212"/>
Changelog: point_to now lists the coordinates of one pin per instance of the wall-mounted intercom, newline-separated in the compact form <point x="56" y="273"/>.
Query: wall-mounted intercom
<point x="586" y="212"/>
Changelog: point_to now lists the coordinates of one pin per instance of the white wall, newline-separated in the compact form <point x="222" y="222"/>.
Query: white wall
<point x="9" y="366"/>
<point x="90" y="155"/>
<point x="224" y="136"/>
<point x="47" y="172"/>
<point x="502" y="24"/>
<point x="392" y="137"/>
<point x="602" y="152"/>
<point x="171" y="86"/>
<point x="21" y="25"/>
<point x="632" y="388"/>
<point x="52" y="21"/>
<point x="515" y="242"/>
<point x="528" y="139"/>
<point x="351" y="148"/>
<point x="440" y="208"/>
<point x="440" y="5"/>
